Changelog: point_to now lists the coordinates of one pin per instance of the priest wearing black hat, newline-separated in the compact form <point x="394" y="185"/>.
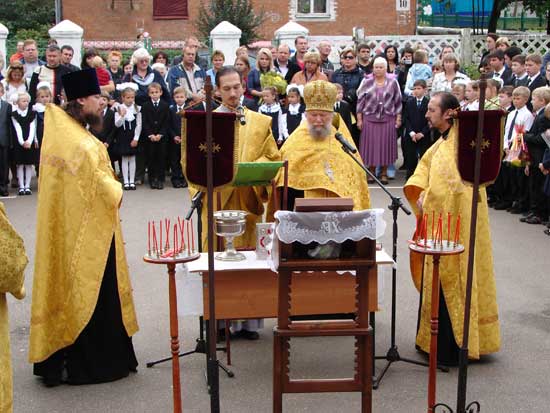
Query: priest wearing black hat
<point x="82" y="316"/>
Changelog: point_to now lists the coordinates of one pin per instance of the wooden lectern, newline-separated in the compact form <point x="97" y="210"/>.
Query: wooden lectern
<point x="361" y="258"/>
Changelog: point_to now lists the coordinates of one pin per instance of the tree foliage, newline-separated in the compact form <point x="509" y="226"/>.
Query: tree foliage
<point x="237" y="12"/>
<point x="540" y="7"/>
<point x="28" y="18"/>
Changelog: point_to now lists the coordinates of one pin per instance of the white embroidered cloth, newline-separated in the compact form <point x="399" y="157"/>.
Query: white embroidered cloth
<point x="322" y="227"/>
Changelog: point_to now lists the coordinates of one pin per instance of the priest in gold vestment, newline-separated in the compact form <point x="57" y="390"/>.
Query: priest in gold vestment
<point x="436" y="186"/>
<point x="13" y="261"/>
<point x="256" y="144"/>
<point x="82" y="314"/>
<point x="317" y="165"/>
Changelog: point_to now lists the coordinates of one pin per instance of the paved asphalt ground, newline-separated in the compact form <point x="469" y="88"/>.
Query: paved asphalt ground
<point x="514" y="380"/>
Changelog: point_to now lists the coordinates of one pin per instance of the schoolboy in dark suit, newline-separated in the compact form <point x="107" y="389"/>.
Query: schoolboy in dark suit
<point x="155" y="133"/>
<point x="416" y="136"/>
<point x="174" y="146"/>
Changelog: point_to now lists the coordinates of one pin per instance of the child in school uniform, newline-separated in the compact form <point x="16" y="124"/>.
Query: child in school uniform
<point x="472" y="96"/>
<point x="270" y="107"/>
<point x="295" y="110"/>
<point x="26" y="144"/>
<point x="416" y="137"/>
<point x="106" y="134"/>
<point x="459" y="91"/>
<point x="5" y="142"/>
<point x="174" y="146"/>
<point x="511" y="185"/>
<point x="344" y="110"/>
<point x="155" y="115"/>
<point x="43" y="97"/>
<point x="128" y="127"/>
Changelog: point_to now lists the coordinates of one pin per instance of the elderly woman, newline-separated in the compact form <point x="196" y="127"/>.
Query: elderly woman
<point x="14" y="81"/>
<point x="264" y="64"/>
<point x="312" y="70"/>
<point x="349" y="76"/>
<point x="443" y="81"/>
<point x="378" y="115"/>
<point x="143" y="75"/>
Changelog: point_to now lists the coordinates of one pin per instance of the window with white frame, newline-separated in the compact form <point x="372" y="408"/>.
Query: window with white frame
<point x="313" y="9"/>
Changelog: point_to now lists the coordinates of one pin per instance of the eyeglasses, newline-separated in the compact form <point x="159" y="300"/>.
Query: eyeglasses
<point x="349" y="57"/>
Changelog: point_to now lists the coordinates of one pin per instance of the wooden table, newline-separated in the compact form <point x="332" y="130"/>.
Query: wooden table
<point x="248" y="289"/>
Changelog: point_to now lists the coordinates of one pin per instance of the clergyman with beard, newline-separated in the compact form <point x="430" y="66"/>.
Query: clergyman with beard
<point x="82" y="314"/>
<point x="317" y="165"/>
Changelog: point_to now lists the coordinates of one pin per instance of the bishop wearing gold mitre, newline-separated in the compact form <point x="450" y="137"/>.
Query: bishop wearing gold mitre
<point x="436" y="187"/>
<point x="13" y="261"/>
<point x="82" y="314"/>
<point x="317" y="165"/>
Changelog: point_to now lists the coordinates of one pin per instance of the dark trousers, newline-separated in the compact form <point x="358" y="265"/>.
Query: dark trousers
<point x="413" y="151"/>
<point x="156" y="160"/>
<point x="539" y="202"/>
<point x="174" y="155"/>
<point x="4" y="168"/>
<point x="520" y="185"/>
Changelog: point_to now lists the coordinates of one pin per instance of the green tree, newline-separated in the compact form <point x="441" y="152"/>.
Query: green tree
<point x="540" y="7"/>
<point x="26" y="18"/>
<point x="237" y="12"/>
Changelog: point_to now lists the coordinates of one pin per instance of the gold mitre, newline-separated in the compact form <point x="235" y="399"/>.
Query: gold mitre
<point x="320" y="95"/>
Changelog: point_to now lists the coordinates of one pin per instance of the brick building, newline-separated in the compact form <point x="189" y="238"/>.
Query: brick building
<point x="173" y="19"/>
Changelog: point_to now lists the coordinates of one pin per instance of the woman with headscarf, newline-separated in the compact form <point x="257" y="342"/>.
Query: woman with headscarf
<point x="378" y="116"/>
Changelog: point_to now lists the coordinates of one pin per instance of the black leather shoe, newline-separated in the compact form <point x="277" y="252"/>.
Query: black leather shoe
<point x="534" y="220"/>
<point x="4" y="192"/>
<point x="160" y="185"/>
<point x="501" y="206"/>
<point x="547" y="231"/>
<point x="249" y="335"/>
<point x="525" y="218"/>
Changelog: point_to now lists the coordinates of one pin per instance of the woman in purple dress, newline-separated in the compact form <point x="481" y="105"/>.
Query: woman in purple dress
<point x="378" y="116"/>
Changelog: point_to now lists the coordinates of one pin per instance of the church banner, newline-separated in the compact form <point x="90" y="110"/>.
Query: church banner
<point x="193" y="148"/>
<point x="491" y="145"/>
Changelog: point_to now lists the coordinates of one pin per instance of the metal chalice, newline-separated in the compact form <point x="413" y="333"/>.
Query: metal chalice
<point x="230" y="224"/>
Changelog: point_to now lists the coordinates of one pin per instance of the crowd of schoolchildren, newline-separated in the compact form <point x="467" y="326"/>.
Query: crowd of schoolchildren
<point x="143" y="95"/>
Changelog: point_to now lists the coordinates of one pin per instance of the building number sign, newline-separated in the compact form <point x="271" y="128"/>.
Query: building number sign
<point x="402" y="5"/>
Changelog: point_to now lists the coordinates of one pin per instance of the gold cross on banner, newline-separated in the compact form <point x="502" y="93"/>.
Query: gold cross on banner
<point x="215" y="147"/>
<point x="485" y="144"/>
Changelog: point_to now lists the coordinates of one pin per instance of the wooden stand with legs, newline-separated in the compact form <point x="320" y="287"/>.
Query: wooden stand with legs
<point x="443" y="248"/>
<point x="174" y="334"/>
<point x="365" y="300"/>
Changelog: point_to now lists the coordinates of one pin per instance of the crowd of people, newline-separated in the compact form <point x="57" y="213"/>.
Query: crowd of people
<point x="382" y="96"/>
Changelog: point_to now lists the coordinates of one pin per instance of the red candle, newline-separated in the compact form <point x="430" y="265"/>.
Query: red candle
<point x="167" y="229"/>
<point x="433" y="223"/>
<point x="155" y="238"/>
<point x="425" y="229"/>
<point x="149" y="237"/>
<point x="174" y="251"/>
<point x="448" y="227"/>
<point x="192" y="236"/>
<point x="182" y="230"/>
<point x="161" y="235"/>
<point x="418" y="229"/>
<point x="440" y="228"/>
<point x="457" y="230"/>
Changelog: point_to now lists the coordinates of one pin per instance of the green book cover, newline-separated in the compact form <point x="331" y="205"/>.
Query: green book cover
<point x="256" y="173"/>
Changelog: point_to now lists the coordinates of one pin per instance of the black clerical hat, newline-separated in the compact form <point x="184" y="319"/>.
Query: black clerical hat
<point x="80" y="84"/>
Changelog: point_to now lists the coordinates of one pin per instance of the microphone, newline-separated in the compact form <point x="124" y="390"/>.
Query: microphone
<point x="345" y="144"/>
<point x="195" y="203"/>
<point x="240" y="115"/>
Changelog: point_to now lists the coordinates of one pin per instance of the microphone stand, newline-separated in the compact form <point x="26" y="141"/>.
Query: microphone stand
<point x="392" y="355"/>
